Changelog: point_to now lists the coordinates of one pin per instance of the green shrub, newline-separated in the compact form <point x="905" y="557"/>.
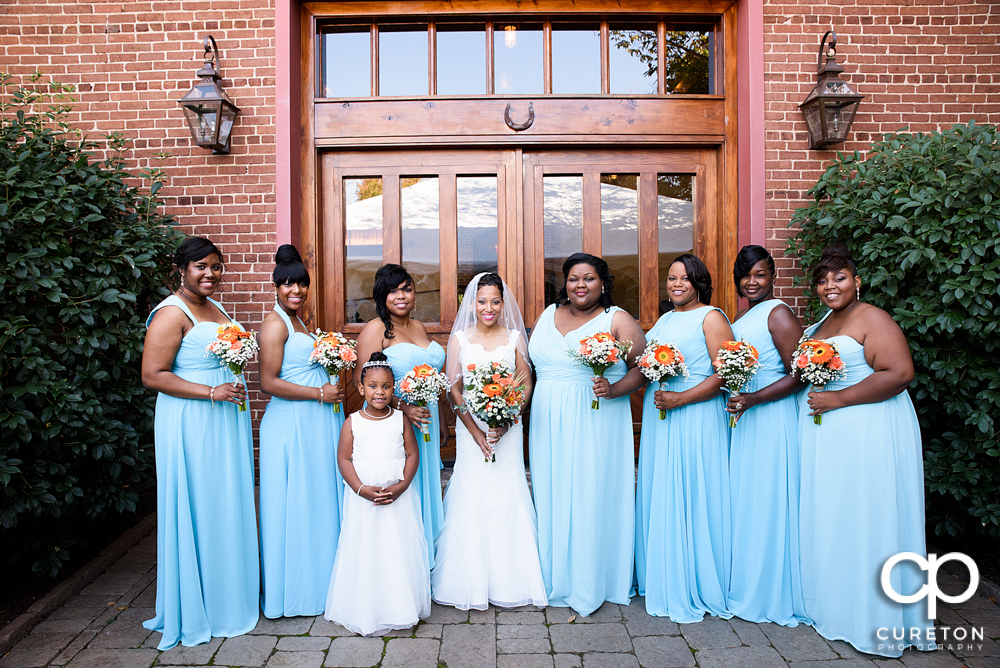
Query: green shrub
<point x="921" y="215"/>
<point x="85" y="253"/>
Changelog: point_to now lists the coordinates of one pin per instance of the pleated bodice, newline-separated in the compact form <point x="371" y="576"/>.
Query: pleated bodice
<point x="685" y="329"/>
<point x="752" y="328"/>
<point x="548" y="349"/>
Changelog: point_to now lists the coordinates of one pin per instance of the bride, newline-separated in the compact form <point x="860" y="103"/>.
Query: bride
<point x="487" y="551"/>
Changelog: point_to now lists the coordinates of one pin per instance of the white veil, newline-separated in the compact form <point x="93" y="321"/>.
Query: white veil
<point x="465" y="322"/>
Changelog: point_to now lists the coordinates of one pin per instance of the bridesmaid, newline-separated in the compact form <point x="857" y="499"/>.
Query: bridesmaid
<point x="406" y="343"/>
<point x="207" y="568"/>
<point x="682" y="524"/>
<point x="300" y="486"/>
<point x="862" y="474"/>
<point x="582" y="460"/>
<point x="765" y="585"/>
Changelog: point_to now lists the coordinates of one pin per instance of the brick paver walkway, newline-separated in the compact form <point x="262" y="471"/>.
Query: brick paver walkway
<point x="102" y="628"/>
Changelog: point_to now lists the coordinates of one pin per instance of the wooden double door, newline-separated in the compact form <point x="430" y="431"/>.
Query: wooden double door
<point x="448" y="214"/>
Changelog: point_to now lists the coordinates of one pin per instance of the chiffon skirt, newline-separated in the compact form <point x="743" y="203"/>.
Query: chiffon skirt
<point x="300" y="497"/>
<point x="862" y="502"/>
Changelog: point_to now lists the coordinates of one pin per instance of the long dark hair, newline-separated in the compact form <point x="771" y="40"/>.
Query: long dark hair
<point x="603" y="272"/>
<point x="746" y="259"/>
<point x="387" y="279"/>
<point x="699" y="276"/>
<point x="835" y="258"/>
<point x="193" y="249"/>
<point x="288" y="267"/>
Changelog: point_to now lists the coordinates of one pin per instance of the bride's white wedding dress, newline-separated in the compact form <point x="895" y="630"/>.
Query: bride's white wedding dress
<point x="487" y="551"/>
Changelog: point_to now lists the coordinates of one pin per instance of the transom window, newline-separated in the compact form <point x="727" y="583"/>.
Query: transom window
<point x="516" y="57"/>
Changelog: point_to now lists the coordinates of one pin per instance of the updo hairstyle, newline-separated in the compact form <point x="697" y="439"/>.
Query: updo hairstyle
<point x="288" y="267"/>
<point x="835" y="258"/>
<point x="193" y="249"/>
<point x="603" y="272"/>
<point x="494" y="280"/>
<point x="377" y="356"/>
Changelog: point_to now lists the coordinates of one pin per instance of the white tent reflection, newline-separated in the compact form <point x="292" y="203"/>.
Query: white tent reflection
<point x="477" y="212"/>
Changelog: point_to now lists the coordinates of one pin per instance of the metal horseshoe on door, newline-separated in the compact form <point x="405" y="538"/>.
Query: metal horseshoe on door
<point x="518" y="127"/>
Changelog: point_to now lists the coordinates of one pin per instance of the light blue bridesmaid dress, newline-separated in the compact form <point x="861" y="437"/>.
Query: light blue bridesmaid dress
<point x="301" y="490"/>
<point x="682" y="517"/>
<point x="862" y="501"/>
<point x="403" y="357"/>
<point x="582" y="472"/>
<point x="766" y="584"/>
<point x="207" y="564"/>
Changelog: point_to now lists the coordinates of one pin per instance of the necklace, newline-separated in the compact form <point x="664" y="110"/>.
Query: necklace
<point x="364" y="409"/>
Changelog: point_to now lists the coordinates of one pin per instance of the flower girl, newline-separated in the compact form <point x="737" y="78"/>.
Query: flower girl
<point x="380" y="578"/>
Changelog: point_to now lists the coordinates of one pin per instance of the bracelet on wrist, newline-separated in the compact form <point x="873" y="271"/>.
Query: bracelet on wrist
<point x="321" y="394"/>
<point x="211" y="394"/>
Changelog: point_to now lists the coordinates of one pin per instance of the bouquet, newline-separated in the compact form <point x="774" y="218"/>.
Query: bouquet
<point x="599" y="353"/>
<point x="422" y="385"/>
<point x="335" y="354"/>
<point x="233" y="347"/>
<point x="495" y="395"/>
<point x="660" y="361"/>
<point x="817" y="363"/>
<point x="736" y="364"/>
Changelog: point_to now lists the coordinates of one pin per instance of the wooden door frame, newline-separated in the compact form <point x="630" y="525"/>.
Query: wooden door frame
<point x="720" y="134"/>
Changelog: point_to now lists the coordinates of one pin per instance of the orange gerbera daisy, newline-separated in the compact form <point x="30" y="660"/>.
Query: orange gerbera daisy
<point x="602" y="337"/>
<point x="664" y="355"/>
<point x="731" y="345"/>
<point x="822" y="353"/>
<point x="492" y="389"/>
<point x="423" y="370"/>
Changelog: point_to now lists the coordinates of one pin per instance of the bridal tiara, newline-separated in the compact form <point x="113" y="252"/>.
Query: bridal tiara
<point x="367" y="365"/>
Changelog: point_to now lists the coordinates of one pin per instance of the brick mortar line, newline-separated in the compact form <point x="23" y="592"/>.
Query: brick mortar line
<point x="11" y="634"/>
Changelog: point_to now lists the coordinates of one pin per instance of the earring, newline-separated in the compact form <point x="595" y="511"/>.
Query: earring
<point x="698" y="294"/>
<point x="859" y="293"/>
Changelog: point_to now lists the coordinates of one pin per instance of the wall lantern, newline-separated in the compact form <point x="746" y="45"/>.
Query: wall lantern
<point x="832" y="104"/>
<point x="209" y="111"/>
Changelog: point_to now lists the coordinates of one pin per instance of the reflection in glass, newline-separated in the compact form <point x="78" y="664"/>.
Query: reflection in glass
<point x="675" y="219"/>
<point x="418" y="205"/>
<point x="517" y="55"/>
<point x="632" y="57"/>
<point x="687" y="53"/>
<point x="461" y="60"/>
<point x="362" y="245"/>
<point x="477" y="228"/>
<point x="576" y="59"/>
<point x="402" y="60"/>
<point x="562" y="221"/>
<point x="620" y="236"/>
<point x="346" y="62"/>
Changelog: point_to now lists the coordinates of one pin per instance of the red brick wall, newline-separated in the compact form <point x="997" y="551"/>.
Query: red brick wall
<point x="926" y="64"/>
<point x="131" y="62"/>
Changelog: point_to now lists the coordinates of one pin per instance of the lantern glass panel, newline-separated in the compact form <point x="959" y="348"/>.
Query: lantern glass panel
<point x="839" y="114"/>
<point x="203" y="120"/>
<point x="226" y="126"/>
<point x="812" y="114"/>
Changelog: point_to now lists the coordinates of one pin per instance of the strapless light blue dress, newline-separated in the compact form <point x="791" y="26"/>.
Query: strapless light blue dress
<point x="862" y="502"/>
<point x="582" y="472"/>
<point x="207" y="564"/>
<point x="683" y="530"/>
<point x="403" y="357"/>
<point x="301" y="490"/>
<point x="766" y="583"/>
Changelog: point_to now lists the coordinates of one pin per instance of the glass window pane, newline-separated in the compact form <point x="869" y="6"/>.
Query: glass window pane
<point x="347" y="62"/>
<point x="620" y="236"/>
<point x="687" y="56"/>
<point x="562" y="221"/>
<point x="477" y="228"/>
<point x="402" y="60"/>
<point x="418" y="205"/>
<point x="675" y="219"/>
<point x="461" y="60"/>
<point x="632" y="57"/>
<point x="576" y="59"/>
<point x="362" y="245"/>
<point x="517" y="52"/>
